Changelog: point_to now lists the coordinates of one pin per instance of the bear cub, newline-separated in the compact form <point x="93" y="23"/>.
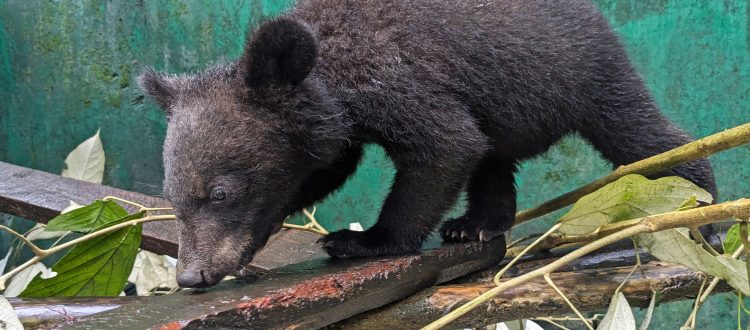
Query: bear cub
<point x="456" y="92"/>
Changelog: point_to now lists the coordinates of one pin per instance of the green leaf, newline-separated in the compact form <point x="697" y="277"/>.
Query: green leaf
<point x="674" y="245"/>
<point x="733" y="241"/>
<point x="87" y="218"/>
<point x="86" y="161"/>
<point x="632" y="196"/>
<point x="98" y="267"/>
<point x="619" y="315"/>
<point x="8" y="318"/>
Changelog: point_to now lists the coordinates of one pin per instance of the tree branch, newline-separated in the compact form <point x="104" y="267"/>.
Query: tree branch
<point x="695" y="150"/>
<point x="689" y="218"/>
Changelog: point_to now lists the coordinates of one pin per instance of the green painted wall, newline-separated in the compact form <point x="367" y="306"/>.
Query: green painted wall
<point x="67" y="68"/>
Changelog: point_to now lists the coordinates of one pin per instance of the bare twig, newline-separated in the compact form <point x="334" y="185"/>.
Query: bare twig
<point x="690" y="323"/>
<point x="635" y="267"/>
<point x="695" y="150"/>
<point x="23" y="239"/>
<point x="551" y="321"/>
<point x="313" y="226"/>
<point x="526" y="250"/>
<point x="689" y="218"/>
<point x="745" y="246"/>
<point x="522" y="239"/>
<point x="570" y="304"/>
<point x="140" y="207"/>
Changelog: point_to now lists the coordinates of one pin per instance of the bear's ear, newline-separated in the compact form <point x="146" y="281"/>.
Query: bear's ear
<point x="159" y="87"/>
<point x="281" y="51"/>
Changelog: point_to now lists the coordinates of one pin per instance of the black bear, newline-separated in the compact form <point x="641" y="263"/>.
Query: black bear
<point x="457" y="93"/>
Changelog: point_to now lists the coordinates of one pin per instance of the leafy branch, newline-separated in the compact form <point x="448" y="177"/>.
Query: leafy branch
<point x="650" y="224"/>
<point x="606" y="220"/>
<point x="41" y="254"/>
<point x="689" y="152"/>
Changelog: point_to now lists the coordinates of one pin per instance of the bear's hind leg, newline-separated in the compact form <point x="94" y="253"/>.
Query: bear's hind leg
<point x="492" y="203"/>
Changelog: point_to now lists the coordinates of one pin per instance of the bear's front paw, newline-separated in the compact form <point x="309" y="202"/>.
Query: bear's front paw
<point x="351" y="244"/>
<point x="348" y="244"/>
<point x="465" y="230"/>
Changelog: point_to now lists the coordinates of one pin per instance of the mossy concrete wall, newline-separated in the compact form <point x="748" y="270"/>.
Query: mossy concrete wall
<point x="67" y="68"/>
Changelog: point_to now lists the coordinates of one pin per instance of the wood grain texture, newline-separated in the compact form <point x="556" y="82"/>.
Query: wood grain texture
<point x="307" y="295"/>
<point x="589" y="290"/>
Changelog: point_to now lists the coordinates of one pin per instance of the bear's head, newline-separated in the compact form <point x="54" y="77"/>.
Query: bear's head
<point x="241" y="138"/>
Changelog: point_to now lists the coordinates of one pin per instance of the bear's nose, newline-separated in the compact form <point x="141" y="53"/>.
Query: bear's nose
<point x="191" y="278"/>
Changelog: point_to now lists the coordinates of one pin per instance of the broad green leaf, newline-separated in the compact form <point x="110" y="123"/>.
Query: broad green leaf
<point x="632" y="196"/>
<point x="87" y="218"/>
<point x="649" y="313"/>
<point x="98" y="267"/>
<point x="86" y="161"/>
<point x="8" y="318"/>
<point x="733" y="241"/>
<point x="619" y="315"/>
<point x="674" y="245"/>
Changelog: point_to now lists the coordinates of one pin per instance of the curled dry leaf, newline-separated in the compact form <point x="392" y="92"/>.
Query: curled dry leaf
<point x="649" y="313"/>
<point x="4" y="261"/>
<point x="86" y="161"/>
<point x="619" y="315"/>
<point x="20" y="281"/>
<point x="8" y="318"/>
<point x="152" y="271"/>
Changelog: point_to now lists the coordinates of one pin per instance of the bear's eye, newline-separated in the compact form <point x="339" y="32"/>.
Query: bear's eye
<point x="218" y="194"/>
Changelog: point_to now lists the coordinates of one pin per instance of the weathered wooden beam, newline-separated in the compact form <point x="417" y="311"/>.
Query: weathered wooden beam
<point x="589" y="290"/>
<point x="308" y="295"/>
<point x="612" y="257"/>
<point x="40" y="196"/>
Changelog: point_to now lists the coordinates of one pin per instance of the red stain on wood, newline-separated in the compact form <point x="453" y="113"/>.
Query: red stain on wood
<point x="329" y="287"/>
<point x="177" y="325"/>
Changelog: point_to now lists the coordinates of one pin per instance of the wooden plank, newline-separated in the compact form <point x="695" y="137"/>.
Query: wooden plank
<point x="534" y="298"/>
<point x="308" y="295"/>
<point x="40" y="196"/>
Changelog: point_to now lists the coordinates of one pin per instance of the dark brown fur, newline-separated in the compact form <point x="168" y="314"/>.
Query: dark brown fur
<point x="456" y="92"/>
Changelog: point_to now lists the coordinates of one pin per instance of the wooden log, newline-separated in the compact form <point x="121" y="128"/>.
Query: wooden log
<point x="589" y="290"/>
<point x="40" y="196"/>
<point x="308" y="295"/>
